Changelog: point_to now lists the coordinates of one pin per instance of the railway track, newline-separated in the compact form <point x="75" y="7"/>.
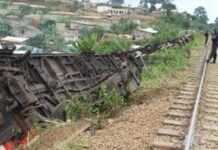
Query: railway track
<point x="178" y="127"/>
<point x="192" y="120"/>
<point x="206" y="135"/>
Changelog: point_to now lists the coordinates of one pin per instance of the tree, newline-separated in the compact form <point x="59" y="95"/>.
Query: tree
<point x="216" y="21"/>
<point x="168" y="6"/>
<point x="201" y="15"/>
<point x="23" y="11"/>
<point x="117" y="2"/>
<point x="76" y="5"/>
<point x="4" y="4"/>
<point x="47" y="25"/>
<point x="153" y="3"/>
<point x="5" y="28"/>
<point x="214" y="26"/>
<point x="144" y="4"/>
<point x="49" y="40"/>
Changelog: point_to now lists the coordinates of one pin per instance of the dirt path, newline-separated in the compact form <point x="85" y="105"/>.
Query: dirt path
<point x="55" y="136"/>
<point x="133" y="130"/>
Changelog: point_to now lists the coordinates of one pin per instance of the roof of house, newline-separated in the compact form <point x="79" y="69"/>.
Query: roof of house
<point x="149" y="30"/>
<point x="12" y="39"/>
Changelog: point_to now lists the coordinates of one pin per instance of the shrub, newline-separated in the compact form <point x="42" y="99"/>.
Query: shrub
<point x="23" y="11"/>
<point x="111" y="101"/>
<point x="124" y="26"/>
<point x="5" y="28"/>
<point x="49" y="41"/>
<point x="164" y="62"/>
<point x="105" y="101"/>
<point x="99" y="31"/>
<point x="4" y="4"/>
<point x="77" y="107"/>
<point x="115" y="44"/>
<point x="47" y="25"/>
<point x="86" y="44"/>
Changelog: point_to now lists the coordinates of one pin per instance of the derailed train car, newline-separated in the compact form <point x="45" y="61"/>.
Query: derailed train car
<point x="36" y="86"/>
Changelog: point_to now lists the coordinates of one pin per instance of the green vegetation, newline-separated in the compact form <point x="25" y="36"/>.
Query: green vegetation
<point x="200" y="19"/>
<point x="47" y="25"/>
<point x="112" y="45"/>
<point x="5" y="28"/>
<point x="166" y="4"/>
<point x="167" y="61"/>
<point x="111" y="101"/>
<point x="77" y="107"/>
<point x="117" y="2"/>
<point x="108" y="103"/>
<point x="93" y="44"/>
<point x="124" y="26"/>
<point x="76" y="5"/>
<point x="4" y="4"/>
<point x="77" y="144"/>
<point x="98" y="30"/>
<point x="92" y="41"/>
<point x="49" y="40"/>
<point x="86" y="44"/>
<point x="168" y="7"/>
<point x="23" y="11"/>
<point x="201" y="15"/>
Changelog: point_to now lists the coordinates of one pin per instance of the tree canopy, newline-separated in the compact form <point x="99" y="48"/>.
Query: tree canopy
<point x="201" y="14"/>
<point x="167" y="4"/>
<point x="49" y="40"/>
<point x="117" y="2"/>
<point x="23" y="11"/>
<point x="216" y="21"/>
<point x="5" y="28"/>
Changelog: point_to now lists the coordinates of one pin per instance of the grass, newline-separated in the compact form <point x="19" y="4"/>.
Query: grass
<point x="77" y="144"/>
<point x="168" y="61"/>
<point x="107" y="103"/>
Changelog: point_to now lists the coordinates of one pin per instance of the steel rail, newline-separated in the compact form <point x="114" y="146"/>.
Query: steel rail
<point x="190" y="136"/>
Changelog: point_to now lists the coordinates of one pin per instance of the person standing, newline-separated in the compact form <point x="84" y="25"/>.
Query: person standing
<point x="206" y="35"/>
<point x="213" y="53"/>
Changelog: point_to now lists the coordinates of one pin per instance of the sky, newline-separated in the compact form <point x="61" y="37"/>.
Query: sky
<point x="187" y="5"/>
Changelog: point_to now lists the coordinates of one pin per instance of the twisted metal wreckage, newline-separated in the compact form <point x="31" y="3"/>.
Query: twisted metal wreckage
<point x="36" y="86"/>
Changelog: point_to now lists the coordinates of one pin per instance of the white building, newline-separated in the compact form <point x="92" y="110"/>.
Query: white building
<point x="103" y="8"/>
<point x="112" y="11"/>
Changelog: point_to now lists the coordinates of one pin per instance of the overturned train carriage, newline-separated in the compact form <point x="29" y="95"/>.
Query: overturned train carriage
<point x="36" y="86"/>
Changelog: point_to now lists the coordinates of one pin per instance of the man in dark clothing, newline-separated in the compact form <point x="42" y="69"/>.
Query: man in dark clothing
<point x="206" y="34"/>
<point x="213" y="53"/>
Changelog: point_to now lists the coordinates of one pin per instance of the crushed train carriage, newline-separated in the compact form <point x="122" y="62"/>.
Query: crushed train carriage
<point x="37" y="86"/>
